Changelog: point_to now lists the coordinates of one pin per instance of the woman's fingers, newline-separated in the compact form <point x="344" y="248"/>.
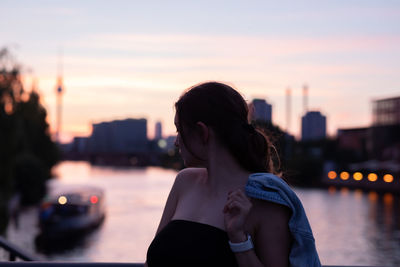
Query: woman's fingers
<point x="232" y="205"/>
<point x="237" y="201"/>
<point x="235" y="204"/>
<point x="236" y="210"/>
<point x="238" y="195"/>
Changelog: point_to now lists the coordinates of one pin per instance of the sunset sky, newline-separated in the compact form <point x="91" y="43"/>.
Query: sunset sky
<point x="134" y="58"/>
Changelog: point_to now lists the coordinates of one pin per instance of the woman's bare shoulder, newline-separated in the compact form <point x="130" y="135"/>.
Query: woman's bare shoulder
<point x="182" y="185"/>
<point x="191" y="176"/>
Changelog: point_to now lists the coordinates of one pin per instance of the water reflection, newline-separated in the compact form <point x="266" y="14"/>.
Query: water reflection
<point x="360" y="227"/>
<point x="54" y="248"/>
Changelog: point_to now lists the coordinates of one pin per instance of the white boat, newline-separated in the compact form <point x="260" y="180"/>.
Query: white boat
<point x="71" y="212"/>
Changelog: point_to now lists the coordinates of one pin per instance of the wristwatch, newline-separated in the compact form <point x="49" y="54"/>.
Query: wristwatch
<point x="242" y="246"/>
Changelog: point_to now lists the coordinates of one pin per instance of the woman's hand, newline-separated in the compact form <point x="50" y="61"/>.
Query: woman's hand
<point x="236" y="209"/>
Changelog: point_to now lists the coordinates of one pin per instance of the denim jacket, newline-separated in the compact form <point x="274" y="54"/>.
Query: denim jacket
<point x="269" y="187"/>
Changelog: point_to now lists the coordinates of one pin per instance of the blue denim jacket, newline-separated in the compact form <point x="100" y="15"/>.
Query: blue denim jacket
<point x="269" y="187"/>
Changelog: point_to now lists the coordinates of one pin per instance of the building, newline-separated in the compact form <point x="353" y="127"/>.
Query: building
<point x="80" y="145"/>
<point x="353" y="139"/>
<point x="376" y="148"/>
<point x="127" y="136"/>
<point x="171" y="141"/>
<point x="384" y="142"/>
<point x="313" y="126"/>
<point x="158" y="131"/>
<point x="354" y="142"/>
<point x="260" y="110"/>
<point x="386" y="111"/>
<point x="380" y="141"/>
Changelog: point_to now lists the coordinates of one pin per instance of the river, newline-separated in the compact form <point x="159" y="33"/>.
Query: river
<point x="351" y="227"/>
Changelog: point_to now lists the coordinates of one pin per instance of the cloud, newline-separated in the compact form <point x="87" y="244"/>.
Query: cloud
<point x="241" y="44"/>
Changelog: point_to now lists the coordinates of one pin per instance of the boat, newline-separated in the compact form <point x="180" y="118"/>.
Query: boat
<point x="70" y="213"/>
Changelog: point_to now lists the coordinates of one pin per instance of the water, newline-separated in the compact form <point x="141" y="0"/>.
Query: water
<point x="350" y="227"/>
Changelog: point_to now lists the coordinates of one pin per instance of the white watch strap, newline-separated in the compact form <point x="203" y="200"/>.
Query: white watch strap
<point x="242" y="246"/>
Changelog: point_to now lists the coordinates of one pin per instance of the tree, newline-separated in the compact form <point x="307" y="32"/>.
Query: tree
<point x="27" y="152"/>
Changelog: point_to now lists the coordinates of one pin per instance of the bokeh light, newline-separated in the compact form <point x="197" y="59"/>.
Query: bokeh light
<point x="372" y="177"/>
<point x="357" y="176"/>
<point x="344" y="175"/>
<point x="62" y="200"/>
<point x="388" y="178"/>
<point x="332" y="175"/>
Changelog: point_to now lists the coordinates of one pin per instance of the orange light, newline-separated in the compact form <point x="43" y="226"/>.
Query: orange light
<point x="358" y="193"/>
<point x="357" y="176"/>
<point x="388" y="198"/>
<point x="332" y="175"/>
<point x="372" y="177"/>
<point x="94" y="199"/>
<point x="331" y="190"/>
<point x="46" y="205"/>
<point x="373" y="196"/>
<point x="344" y="175"/>
<point x="344" y="191"/>
<point x="388" y="178"/>
<point x="8" y="108"/>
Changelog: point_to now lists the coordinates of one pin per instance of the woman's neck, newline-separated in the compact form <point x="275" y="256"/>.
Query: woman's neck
<point x="224" y="172"/>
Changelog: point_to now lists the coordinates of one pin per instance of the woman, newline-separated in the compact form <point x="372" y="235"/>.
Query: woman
<point x="227" y="208"/>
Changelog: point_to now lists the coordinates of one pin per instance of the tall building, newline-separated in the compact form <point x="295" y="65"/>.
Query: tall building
<point x="386" y="111"/>
<point x="119" y="136"/>
<point x="313" y="126"/>
<point x="260" y="110"/>
<point x="380" y="141"/>
<point x="59" y="91"/>
<point x="158" y="132"/>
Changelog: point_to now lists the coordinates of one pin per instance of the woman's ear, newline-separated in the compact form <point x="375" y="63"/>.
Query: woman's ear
<point x="204" y="131"/>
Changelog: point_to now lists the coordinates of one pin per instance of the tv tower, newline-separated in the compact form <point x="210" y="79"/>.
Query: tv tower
<point x="59" y="92"/>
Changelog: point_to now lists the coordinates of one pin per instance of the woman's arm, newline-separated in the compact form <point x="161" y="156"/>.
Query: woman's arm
<point x="272" y="240"/>
<point x="171" y="203"/>
<point x="182" y="184"/>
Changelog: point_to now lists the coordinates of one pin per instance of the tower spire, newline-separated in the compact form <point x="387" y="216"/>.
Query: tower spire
<point x="59" y="92"/>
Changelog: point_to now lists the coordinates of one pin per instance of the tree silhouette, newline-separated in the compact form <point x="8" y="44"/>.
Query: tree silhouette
<point x="27" y="152"/>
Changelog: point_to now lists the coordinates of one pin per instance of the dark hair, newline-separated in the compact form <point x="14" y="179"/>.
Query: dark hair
<point x="222" y="108"/>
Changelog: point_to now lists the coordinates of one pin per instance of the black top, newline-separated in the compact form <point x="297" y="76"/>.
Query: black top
<point x="187" y="243"/>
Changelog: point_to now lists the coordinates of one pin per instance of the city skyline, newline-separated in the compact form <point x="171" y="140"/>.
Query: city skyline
<point x="134" y="59"/>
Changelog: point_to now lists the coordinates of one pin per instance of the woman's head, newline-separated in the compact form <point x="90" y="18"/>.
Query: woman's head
<point x="224" y="110"/>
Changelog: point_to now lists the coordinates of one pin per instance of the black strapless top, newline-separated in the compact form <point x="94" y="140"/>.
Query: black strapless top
<point x="187" y="243"/>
